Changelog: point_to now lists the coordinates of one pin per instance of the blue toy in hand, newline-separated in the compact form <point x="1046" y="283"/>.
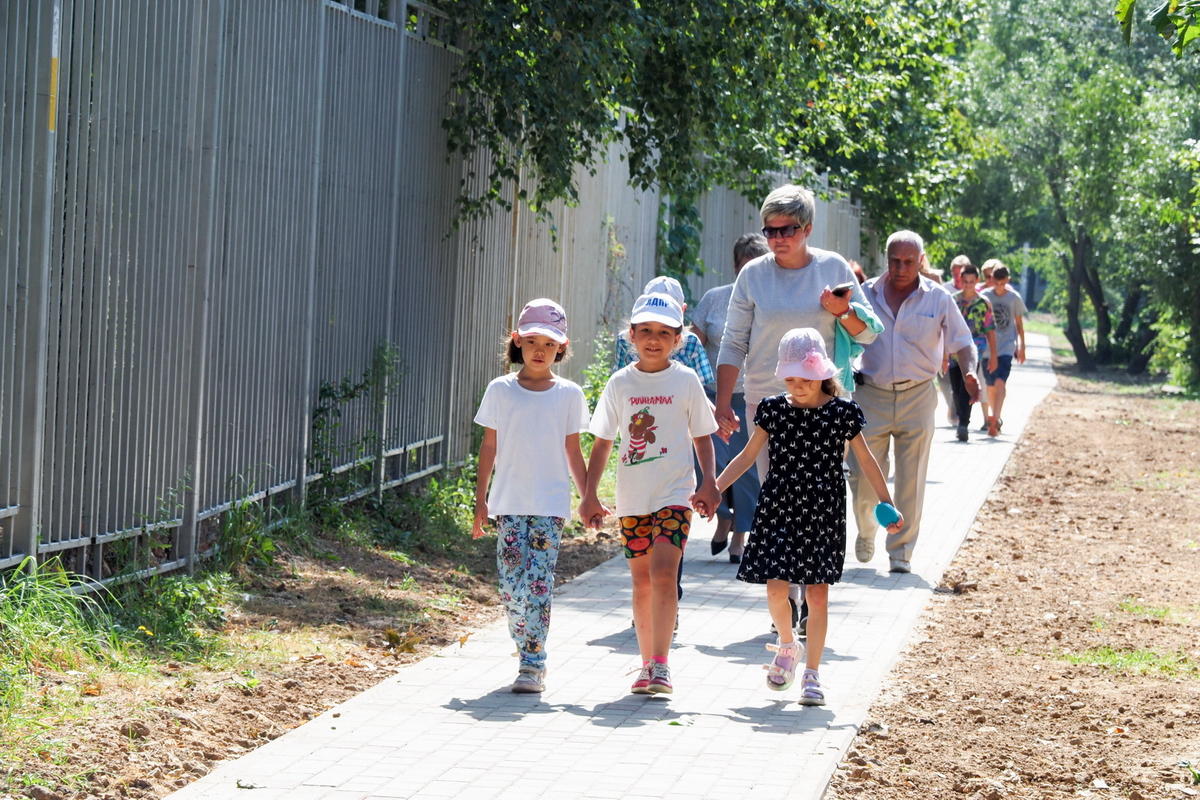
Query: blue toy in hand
<point x="886" y="514"/>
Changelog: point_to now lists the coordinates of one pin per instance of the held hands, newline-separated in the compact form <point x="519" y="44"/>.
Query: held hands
<point x="833" y="304"/>
<point x="706" y="499"/>
<point x="592" y="512"/>
<point x="481" y="519"/>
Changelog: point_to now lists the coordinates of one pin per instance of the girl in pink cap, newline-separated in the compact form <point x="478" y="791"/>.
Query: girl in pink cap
<point x="532" y="419"/>
<point x="799" y="530"/>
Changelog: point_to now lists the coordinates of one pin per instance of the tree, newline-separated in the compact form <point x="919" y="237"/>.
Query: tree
<point x="704" y="93"/>
<point x="1077" y="120"/>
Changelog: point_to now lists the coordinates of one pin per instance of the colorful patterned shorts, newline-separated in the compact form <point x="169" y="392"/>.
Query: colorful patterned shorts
<point x="638" y="534"/>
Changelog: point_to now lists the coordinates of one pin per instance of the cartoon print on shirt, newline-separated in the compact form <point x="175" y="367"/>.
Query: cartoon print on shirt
<point x="641" y="434"/>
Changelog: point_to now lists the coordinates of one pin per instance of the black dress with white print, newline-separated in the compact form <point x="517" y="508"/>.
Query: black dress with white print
<point x="799" y="532"/>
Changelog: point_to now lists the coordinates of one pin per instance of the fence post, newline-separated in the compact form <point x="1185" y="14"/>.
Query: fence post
<point x="33" y="297"/>
<point x="309" y="331"/>
<point x="203" y="132"/>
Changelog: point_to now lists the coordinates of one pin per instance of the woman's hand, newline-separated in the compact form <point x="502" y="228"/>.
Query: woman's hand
<point x="833" y="304"/>
<point x="727" y="422"/>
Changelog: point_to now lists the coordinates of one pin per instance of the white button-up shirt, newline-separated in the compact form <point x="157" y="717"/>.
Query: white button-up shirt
<point x="911" y="345"/>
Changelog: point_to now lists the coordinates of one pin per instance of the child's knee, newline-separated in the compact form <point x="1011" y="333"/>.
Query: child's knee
<point x="777" y="589"/>
<point x="817" y="595"/>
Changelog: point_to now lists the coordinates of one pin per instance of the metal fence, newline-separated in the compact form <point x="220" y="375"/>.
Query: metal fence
<point x="218" y="219"/>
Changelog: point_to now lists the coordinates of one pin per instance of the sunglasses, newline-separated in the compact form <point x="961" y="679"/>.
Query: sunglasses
<point x="783" y="231"/>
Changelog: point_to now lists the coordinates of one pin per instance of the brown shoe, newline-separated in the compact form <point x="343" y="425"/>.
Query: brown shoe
<point x="993" y="427"/>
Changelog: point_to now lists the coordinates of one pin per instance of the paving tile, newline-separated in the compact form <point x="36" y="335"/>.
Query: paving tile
<point x="445" y="727"/>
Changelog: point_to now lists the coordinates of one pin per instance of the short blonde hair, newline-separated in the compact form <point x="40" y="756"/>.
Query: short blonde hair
<point x="991" y="264"/>
<point x="794" y="202"/>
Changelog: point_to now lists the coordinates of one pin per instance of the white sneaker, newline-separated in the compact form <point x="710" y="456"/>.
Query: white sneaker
<point x="900" y="566"/>
<point x="864" y="547"/>
<point x="530" y="680"/>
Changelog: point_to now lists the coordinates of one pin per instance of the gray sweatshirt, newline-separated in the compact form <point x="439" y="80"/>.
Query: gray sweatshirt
<point x="768" y="301"/>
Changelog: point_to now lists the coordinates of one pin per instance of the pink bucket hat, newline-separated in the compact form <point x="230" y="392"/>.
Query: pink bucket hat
<point x="802" y="355"/>
<point x="543" y="317"/>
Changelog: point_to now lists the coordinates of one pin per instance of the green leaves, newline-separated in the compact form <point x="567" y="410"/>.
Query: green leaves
<point x="709" y="92"/>
<point x="1177" y="21"/>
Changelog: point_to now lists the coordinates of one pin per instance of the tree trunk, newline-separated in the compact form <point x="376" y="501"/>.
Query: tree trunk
<point x="1090" y="278"/>
<point x="1129" y="311"/>
<point x="1141" y="349"/>
<point x="1074" y="267"/>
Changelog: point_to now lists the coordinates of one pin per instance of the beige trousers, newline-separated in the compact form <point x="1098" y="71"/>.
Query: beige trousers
<point x="903" y="420"/>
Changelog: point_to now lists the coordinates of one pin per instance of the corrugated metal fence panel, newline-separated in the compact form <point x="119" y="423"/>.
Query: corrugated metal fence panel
<point x="727" y="216"/>
<point x="256" y="402"/>
<point x="357" y="214"/>
<point x="115" y="419"/>
<point x="426" y="308"/>
<point x="18" y="88"/>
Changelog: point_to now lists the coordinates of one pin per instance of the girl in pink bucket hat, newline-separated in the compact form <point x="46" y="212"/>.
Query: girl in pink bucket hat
<point x="799" y="530"/>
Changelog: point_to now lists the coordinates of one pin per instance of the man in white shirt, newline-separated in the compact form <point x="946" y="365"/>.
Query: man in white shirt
<point x="896" y="392"/>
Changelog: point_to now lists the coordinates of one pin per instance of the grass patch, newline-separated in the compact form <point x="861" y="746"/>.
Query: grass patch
<point x="1138" y="606"/>
<point x="1135" y="662"/>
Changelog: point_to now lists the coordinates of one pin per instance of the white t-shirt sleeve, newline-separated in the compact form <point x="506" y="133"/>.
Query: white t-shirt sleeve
<point x="577" y="414"/>
<point x="488" y="413"/>
<point x="604" y="421"/>
<point x="701" y="421"/>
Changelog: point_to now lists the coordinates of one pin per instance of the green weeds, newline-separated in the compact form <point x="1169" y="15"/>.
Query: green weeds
<point x="1135" y="662"/>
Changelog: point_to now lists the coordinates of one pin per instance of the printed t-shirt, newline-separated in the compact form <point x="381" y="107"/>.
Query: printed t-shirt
<point x="1006" y="308"/>
<point x="532" y="476"/>
<point x="655" y="415"/>
<point x="978" y="315"/>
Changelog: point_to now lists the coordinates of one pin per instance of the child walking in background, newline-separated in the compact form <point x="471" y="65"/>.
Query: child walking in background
<point x="661" y="413"/>
<point x="799" y="531"/>
<point x="532" y="420"/>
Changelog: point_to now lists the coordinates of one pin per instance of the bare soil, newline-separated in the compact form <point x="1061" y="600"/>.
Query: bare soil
<point x="332" y="625"/>
<point x="1061" y="655"/>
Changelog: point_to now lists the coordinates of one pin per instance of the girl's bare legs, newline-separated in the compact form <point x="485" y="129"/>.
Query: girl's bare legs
<point x="781" y="609"/>
<point x="817" y="595"/>
<point x="655" y="602"/>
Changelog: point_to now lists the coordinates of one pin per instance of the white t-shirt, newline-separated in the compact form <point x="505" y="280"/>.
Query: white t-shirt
<point x="532" y="476"/>
<point x="657" y="414"/>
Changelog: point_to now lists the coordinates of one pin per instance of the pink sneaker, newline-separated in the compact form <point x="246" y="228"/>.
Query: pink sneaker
<point x="642" y="684"/>
<point x="660" y="678"/>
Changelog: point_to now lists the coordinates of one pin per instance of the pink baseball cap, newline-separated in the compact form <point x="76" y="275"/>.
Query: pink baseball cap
<point x="543" y="317"/>
<point x="802" y="355"/>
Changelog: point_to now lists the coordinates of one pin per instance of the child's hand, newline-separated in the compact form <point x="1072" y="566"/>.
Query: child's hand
<point x="706" y="499"/>
<point x="897" y="525"/>
<point x="592" y="512"/>
<point x="481" y="519"/>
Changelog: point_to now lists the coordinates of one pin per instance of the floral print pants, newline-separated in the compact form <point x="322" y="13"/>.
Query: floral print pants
<point x="527" y="550"/>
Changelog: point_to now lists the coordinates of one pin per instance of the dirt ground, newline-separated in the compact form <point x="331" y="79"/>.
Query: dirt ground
<point x="334" y="624"/>
<point x="1061" y="655"/>
<point x="1060" y="658"/>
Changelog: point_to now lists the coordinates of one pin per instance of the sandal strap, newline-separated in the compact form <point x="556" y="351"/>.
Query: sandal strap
<point x="789" y="649"/>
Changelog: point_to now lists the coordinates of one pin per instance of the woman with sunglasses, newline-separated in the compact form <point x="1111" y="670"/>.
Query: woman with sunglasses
<point x="793" y="286"/>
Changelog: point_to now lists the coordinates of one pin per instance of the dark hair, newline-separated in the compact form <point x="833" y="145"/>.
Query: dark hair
<point x="1000" y="273"/>
<point x="970" y="269"/>
<point x="749" y="246"/>
<point x="514" y="353"/>
<point x="833" y="387"/>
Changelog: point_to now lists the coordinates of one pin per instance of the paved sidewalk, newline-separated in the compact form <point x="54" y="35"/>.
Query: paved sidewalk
<point x="447" y="728"/>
